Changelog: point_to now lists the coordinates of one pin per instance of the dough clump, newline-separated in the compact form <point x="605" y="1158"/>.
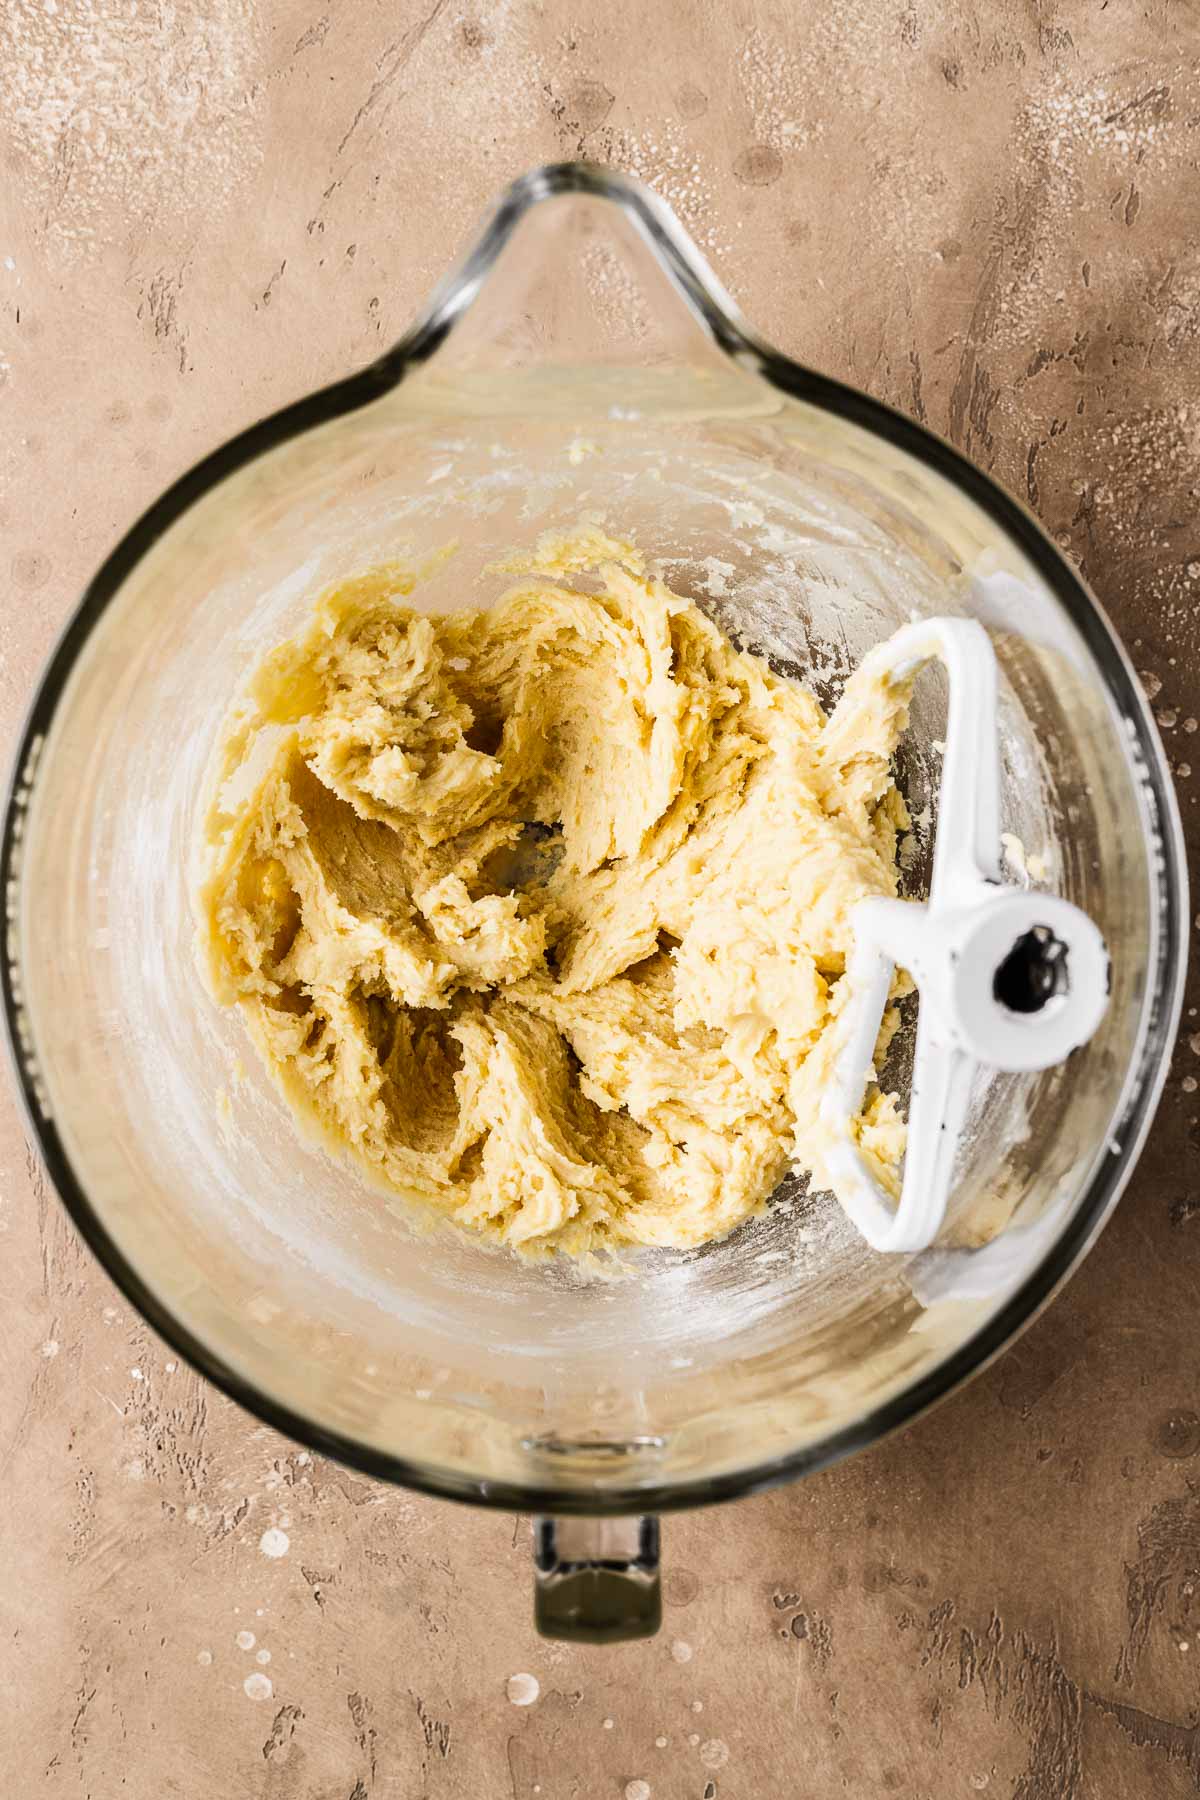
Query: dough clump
<point x="541" y="911"/>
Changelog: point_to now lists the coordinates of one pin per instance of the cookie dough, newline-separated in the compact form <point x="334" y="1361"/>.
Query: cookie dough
<point x="541" y="911"/>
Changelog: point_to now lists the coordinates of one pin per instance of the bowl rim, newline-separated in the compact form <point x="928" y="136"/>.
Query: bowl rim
<point x="716" y="313"/>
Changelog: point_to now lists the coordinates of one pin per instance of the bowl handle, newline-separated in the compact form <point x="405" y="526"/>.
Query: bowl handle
<point x="595" y="1581"/>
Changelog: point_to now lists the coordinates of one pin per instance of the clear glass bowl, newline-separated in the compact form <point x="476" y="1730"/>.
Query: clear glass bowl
<point x="582" y="359"/>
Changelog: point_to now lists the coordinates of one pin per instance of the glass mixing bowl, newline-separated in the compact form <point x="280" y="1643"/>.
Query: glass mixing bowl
<point x="581" y="360"/>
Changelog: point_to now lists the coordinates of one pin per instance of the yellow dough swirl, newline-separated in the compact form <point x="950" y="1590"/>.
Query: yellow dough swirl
<point x="540" y="911"/>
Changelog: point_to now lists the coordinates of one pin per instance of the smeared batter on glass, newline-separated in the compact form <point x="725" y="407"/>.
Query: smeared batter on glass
<point x="540" y="911"/>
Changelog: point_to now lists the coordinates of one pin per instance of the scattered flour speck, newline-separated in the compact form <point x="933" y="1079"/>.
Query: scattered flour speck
<point x="522" y="1689"/>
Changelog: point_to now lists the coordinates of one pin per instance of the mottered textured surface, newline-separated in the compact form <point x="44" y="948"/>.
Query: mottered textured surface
<point x="987" y="213"/>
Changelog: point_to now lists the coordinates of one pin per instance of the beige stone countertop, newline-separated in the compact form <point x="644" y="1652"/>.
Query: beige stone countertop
<point x="986" y="213"/>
